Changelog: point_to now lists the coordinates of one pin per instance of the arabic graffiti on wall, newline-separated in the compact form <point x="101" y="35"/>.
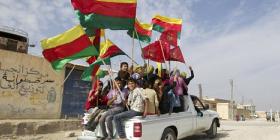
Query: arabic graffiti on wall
<point x="25" y="81"/>
<point x="28" y="87"/>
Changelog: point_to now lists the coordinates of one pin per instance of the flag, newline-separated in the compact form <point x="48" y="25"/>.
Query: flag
<point x="91" y="59"/>
<point x="96" y="42"/>
<point x="107" y="51"/>
<point x="176" y="55"/>
<point x="90" y="72"/>
<point x="106" y="14"/>
<point x="163" y="23"/>
<point x="157" y="51"/>
<point x="170" y="37"/>
<point x="95" y="39"/>
<point x="70" y="45"/>
<point x="141" y="31"/>
<point x="101" y="73"/>
<point x="159" y="65"/>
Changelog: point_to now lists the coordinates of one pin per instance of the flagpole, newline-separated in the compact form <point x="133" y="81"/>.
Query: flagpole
<point x="132" y="60"/>
<point x="169" y="63"/>
<point x="139" y="45"/>
<point x="148" y="63"/>
<point x="104" y="36"/>
<point x="132" y="50"/>
<point x="182" y="54"/>
<point x="111" y="77"/>
<point x="108" y="69"/>
<point x="68" y="74"/>
<point x="163" y="54"/>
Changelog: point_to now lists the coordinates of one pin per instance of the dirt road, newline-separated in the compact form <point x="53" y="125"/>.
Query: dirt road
<point x="230" y="130"/>
<point x="247" y="130"/>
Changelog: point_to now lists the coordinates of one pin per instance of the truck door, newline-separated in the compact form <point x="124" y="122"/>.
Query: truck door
<point x="187" y="119"/>
<point x="201" y="117"/>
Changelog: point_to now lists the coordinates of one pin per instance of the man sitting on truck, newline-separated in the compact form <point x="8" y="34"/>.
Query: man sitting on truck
<point x="97" y="100"/>
<point x="138" y="106"/>
<point x="116" y="103"/>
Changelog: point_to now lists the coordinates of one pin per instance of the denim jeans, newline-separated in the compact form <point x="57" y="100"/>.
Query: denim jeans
<point x="119" y="118"/>
<point x="93" y="122"/>
<point x="172" y="101"/>
<point x="108" y="118"/>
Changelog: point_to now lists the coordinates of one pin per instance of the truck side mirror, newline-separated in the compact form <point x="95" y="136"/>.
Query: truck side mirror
<point x="206" y="106"/>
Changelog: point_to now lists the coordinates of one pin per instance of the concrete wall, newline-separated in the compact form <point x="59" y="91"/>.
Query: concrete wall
<point x="223" y="110"/>
<point x="29" y="88"/>
<point x="244" y="112"/>
<point x="261" y="114"/>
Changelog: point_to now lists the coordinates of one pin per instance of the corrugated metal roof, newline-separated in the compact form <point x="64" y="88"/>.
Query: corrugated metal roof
<point x="12" y="30"/>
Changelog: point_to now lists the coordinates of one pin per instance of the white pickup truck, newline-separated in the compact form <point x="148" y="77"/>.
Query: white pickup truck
<point x="195" y="119"/>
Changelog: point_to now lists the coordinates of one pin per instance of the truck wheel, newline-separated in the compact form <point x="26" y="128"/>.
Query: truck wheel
<point x="168" y="134"/>
<point x="212" y="132"/>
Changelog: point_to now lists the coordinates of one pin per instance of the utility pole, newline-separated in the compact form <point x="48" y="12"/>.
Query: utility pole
<point x="252" y="107"/>
<point x="200" y="91"/>
<point x="270" y="114"/>
<point x="231" y="99"/>
<point x="277" y="116"/>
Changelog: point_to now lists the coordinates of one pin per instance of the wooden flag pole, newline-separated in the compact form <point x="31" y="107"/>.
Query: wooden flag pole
<point x="132" y="50"/>
<point x="105" y="36"/>
<point x="114" y="82"/>
<point x="68" y="74"/>
<point x="132" y="60"/>
<point x="169" y="64"/>
<point x="183" y="55"/>
<point x="163" y="54"/>
<point x="148" y="63"/>
<point x="139" y="45"/>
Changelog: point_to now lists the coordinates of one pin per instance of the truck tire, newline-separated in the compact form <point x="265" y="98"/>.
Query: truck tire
<point x="212" y="132"/>
<point x="168" y="134"/>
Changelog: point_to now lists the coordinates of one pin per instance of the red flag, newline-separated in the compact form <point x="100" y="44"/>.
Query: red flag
<point x="170" y="37"/>
<point x="91" y="60"/>
<point x="176" y="55"/>
<point x="157" y="51"/>
<point x="96" y="43"/>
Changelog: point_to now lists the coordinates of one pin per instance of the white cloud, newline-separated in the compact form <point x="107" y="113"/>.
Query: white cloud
<point x="39" y="18"/>
<point x="249" y="55"/>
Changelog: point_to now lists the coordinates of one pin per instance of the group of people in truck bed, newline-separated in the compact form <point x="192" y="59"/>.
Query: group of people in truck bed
<point x="136" y="91"/>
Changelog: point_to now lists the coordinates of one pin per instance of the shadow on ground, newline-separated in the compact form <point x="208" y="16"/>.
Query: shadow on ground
<point x="220" y="135"/>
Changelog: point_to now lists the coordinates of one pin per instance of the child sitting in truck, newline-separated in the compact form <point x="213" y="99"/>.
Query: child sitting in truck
<point x="123" y="74"/>
<point x="165" y="95"/>
<point x="138" y="106"/>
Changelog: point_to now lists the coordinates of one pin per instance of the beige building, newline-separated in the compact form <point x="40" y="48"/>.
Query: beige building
<point x="224" y="110"/>
<point x="248" y="111"/>
<point x="222" y="106"/>
<point x="261" y="114"/>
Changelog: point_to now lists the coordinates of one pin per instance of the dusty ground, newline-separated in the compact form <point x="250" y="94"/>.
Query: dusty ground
<point x="53" y="136"/>
<point x="230" y="130"/>
<point x="248" y="130"/>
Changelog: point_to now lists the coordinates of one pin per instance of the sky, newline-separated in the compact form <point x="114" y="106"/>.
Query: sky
<point x="221" y="40"/>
